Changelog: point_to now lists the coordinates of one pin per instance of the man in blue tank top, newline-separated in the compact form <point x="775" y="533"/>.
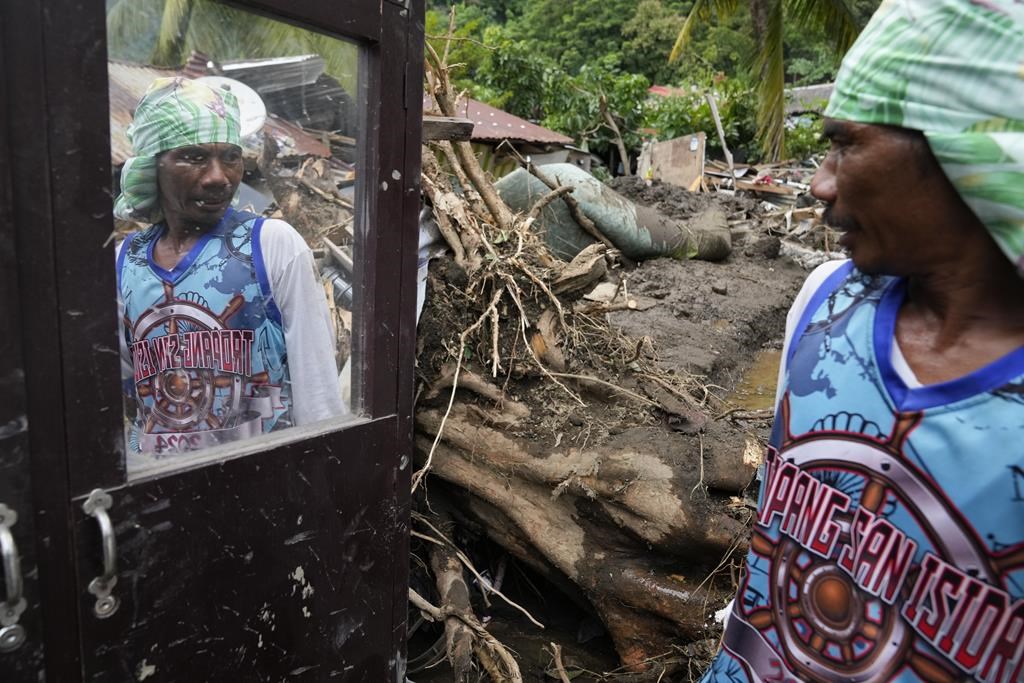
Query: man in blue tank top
<point x="889" y="538"/>
<point x="225" y="326"/>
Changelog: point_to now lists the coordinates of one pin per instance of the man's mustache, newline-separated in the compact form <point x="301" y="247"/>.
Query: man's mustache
<point x="838" y="222"/>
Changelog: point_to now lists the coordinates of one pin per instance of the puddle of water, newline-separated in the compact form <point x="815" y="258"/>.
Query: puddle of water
<point x="756" y="390"/>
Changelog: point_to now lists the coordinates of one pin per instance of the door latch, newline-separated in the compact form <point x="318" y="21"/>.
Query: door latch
<point x="96" y="506"/>
<point x="12" y="634"/>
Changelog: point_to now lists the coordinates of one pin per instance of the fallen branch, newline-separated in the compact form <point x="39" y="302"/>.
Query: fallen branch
<point x="556" y="654"/>
<point x="610" y="120"/>
<point x="464" y="150"/>
<point x="485" y="586"/>
<point x="614" y="387"/>
<point x="329" y="196"/>
<point x="437" y="198"/>
<point x="418" y="476"/>
<point x="545" y="200"/>
<point x="510" y="673"/>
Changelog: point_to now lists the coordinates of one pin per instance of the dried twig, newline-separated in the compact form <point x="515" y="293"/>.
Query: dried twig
<point x="486" y="587"/>
<point x="744" y="415"/>
<point x="700" y="481"/>
<point x="556" y="654"/>
<point x="509" y="667"/>
<point x="422" y="472"/>
<point x="614" y="387"/>
<point x="463" y="150"/>
<point x="545" y="200"/>
<point x="329" y="196"/>
<point x="512" y="289"/>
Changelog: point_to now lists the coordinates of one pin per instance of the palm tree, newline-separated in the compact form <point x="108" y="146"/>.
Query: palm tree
<point x="835" y="17"/>
<point x="164" y="32"/>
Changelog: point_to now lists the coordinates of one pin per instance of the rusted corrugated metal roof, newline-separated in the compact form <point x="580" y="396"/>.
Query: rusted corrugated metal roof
<point x="128" y="83"/>
<point x="666" y="91"/>
<point x="293" y="140"/>
<point x="808" y="98"/>
<point x="494" y="125"/>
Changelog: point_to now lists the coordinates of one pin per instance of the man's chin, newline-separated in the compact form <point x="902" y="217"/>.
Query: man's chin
<point x="208" y="219"/>
<point x="872" y="265"/>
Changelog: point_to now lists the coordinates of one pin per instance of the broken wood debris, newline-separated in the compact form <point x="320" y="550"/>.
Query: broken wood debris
<point x="446" y="128"/>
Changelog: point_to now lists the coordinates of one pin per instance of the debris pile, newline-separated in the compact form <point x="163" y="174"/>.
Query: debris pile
<point x="568" y="414"/>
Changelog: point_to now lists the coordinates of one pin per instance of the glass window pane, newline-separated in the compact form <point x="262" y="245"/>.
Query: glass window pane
<point x="236" y="142"/>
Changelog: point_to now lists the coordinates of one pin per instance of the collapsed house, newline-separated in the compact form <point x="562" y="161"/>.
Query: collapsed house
<point x="500" y="139"/>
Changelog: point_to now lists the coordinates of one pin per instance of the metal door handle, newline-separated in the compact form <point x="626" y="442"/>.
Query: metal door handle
<point x="96" y="505"/>
<point x="12" y="634"/>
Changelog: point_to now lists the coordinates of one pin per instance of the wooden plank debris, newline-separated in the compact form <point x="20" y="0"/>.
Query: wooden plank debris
<point x="678" y="162"/>
<point x="446" y="128"/>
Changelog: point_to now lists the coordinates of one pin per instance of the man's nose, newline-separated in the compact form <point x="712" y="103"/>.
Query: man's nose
<point x="215" y="175"/>
<point x="823" y="185"/>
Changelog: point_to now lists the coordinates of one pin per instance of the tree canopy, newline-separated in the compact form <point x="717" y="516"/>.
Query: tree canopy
<point x="555" y="62"/>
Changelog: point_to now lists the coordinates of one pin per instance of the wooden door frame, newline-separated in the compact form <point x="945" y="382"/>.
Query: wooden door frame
<point x="58" y="118"/>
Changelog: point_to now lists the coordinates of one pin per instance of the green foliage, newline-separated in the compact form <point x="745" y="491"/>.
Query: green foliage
<point x="672" y="117"/>
<point x="813" y="26"/>
<point x="573" y="34"/>
<point x="171" y="29"/>
<point x="512" y="77"/>
<point x="649" y="35"/>
<point x="804" y="139"/>
<point x="574" y="103"/>
<point x="494" y="11"/>
<point x="467" y="51"/>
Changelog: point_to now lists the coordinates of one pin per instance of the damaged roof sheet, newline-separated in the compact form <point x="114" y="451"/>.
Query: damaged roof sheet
<point x="494" y="125"/>
<point x="127" y="85"/>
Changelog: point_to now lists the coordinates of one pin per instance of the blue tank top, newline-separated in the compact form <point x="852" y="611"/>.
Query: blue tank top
<point x="205" y="339"/>
<point x="889" y="539"/>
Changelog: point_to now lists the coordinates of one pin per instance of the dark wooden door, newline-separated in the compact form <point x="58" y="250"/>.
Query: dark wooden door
<point x="280" y="559"/>
<point x="21" y="639"/>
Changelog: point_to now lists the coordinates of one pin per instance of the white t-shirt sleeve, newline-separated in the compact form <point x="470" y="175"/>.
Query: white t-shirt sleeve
<point x="796" y="311"/>
<point x="308" y="333"/>
<point x="127" y="369"/>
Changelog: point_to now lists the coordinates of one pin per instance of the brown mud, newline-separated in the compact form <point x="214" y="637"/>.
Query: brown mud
<point x="721" y="322"/>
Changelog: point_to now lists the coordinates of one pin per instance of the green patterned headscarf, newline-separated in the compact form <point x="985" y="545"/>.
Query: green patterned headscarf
<point x="953" y="69"/>
<point x="174" y="112"/>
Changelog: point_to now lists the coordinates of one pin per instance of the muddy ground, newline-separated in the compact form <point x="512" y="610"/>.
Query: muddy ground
<point x="722" y="322"/>
<point x="711" y="318"/>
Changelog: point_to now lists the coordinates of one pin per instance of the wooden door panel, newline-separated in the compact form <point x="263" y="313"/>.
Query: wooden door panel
<point x="253" y="569"/>
<point x="285" y="563"/>
<point x="15" y="465"/>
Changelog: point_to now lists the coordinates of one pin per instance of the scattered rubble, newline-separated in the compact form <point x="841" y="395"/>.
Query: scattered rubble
<point x="575" y="417"/>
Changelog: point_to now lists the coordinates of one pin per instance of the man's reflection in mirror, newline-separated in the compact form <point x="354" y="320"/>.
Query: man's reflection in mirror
<point x="225" y="325"/>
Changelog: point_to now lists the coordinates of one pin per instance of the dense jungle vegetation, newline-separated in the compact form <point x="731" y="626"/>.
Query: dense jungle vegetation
<point x="561" y="63"/>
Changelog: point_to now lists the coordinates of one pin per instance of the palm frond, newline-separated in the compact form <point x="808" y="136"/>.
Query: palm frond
<point x="226" y="33"/>
<point x="132" y="27"/>
<point x="700" y="12"/>
<point x="771" y="85"/>
<point x="835" y="17"/>
<point x="172" y="36"/>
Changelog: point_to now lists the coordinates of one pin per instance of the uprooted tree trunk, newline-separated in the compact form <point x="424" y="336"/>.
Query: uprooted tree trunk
<point x="560" y="438"/>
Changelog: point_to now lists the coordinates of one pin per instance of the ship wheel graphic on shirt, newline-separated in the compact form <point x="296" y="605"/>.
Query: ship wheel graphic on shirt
<point x="831" y="627"/>
<point x="185" y="398"/>
<point x="237" y="240"/>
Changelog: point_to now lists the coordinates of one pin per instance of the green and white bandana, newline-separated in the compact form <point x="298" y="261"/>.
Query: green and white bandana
<point x="953" y="69"/>
<point x="174" y="112"/>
